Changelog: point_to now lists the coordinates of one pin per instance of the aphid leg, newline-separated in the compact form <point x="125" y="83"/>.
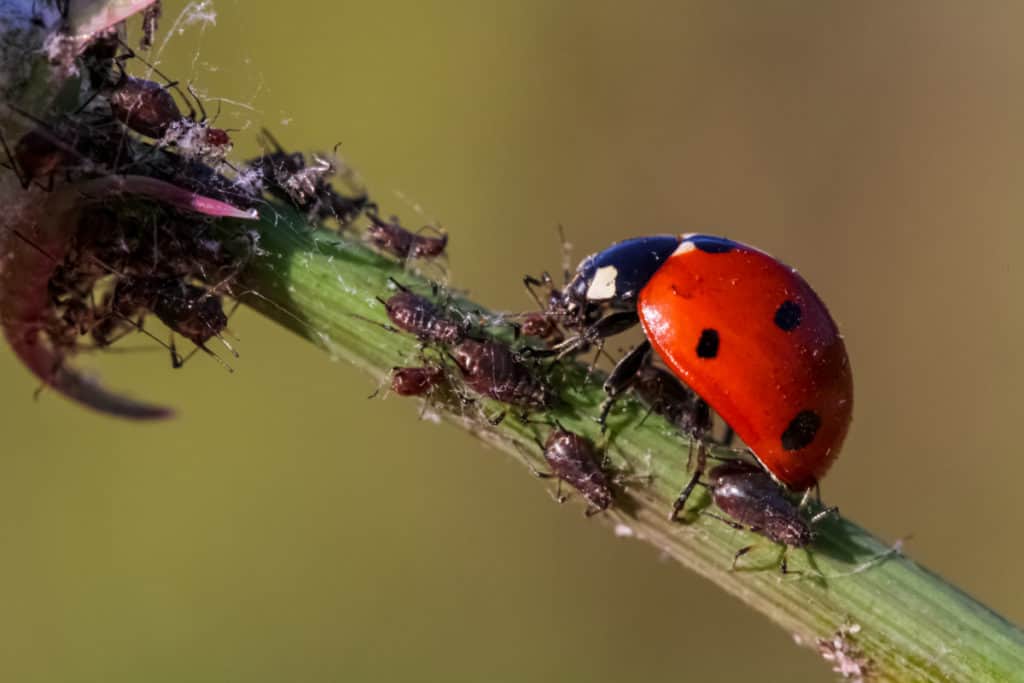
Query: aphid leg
<point x="12" y="164"/>
<point x="559" y="496"/>
<point x="680" y="501"/>
<point x="566" y="254"/>
<point x="739" y="553"/>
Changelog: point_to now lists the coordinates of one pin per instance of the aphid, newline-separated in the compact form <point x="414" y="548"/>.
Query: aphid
<point x="144" y="106"/>
<point x="744" y="331"/>
<point x="190" y="311"/>
<point x="420" y="316"/>
<point x="38" y="154"/>
<point x="749" y="495"/>
<point x="574" y="460"/>
<point x="492" y="369"/>
<point x="307" y="186"/>
<point x="396" y="240"/>
<point x="542" y="326"/>
<point x="149" y="108"/>
<point x="416" y="381"/>
<point x="665" y="395"/>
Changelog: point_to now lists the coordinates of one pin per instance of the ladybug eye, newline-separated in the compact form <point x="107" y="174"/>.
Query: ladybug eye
<point x="707" y="347"/>
<point x="788" y="316"/>
<point x="801" y="431"/>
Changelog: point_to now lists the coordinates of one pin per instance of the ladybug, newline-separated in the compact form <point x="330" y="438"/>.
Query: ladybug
<point x="737" y="326"/>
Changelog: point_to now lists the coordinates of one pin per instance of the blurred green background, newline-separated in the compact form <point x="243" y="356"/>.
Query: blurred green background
<point x="285" y="528"/>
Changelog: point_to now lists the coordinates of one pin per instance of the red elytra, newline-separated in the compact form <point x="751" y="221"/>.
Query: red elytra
<point x="749" y="335"/>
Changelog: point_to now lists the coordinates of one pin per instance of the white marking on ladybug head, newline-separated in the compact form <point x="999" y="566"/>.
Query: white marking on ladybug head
<point x="602" y="286"/>
<point x="685" y="247"/>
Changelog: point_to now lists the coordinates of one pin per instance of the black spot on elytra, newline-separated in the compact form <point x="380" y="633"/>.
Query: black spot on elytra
<point x="788" y="316"/>
<point x="707" y="347"/>
<point x="801" y="431"/>
<point x="713" y="245"/>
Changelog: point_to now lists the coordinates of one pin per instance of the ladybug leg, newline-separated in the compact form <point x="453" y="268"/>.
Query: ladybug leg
<point x="621" y="379"/>
<point x="728" y="436"/>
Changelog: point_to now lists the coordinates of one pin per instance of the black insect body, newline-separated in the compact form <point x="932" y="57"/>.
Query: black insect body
<point x="492" y="369"/>
<point x="396" y="240"/>
<point x="574" y="460"/>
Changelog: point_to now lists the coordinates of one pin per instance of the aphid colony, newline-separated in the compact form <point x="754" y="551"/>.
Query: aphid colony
<point x="108" y="267"/>
<point x="738" y="332"/>
<point x="706" y="304"/>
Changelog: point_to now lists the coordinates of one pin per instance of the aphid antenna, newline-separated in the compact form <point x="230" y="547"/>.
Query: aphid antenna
<point x="566" y="248"/>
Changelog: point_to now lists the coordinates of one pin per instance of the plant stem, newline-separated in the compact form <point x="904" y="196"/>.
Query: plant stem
<point x="907" y="623"/>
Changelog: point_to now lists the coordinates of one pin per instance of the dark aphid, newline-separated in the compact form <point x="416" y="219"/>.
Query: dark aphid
<point x="150" y="109"/>
<point x="663" y="393"/>
<point x="306" y="186"/>
<point x="574" y="460"/>
<point x="750" y="497"/>
<point x="144" y="106"/>
<point x="396" y="240"/>
<point x="416" y="381"/>
<point x="670" y="398"/>
<point x="190" y="311"/>
<point x="491" y="369"/>
<point x="420" y="316"/>
<point x="37" y="155"/>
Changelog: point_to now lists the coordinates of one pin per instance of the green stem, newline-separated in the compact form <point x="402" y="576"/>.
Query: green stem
<point x="908" y="624"/>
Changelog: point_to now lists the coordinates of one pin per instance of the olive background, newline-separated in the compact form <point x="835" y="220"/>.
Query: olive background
<point x="285" y="528"/>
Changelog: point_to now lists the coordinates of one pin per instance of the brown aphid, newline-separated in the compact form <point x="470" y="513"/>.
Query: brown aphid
<point x="542" y="326"/>
<point x="491" y="369"/>
<point x="420" y="316"/>
<point x="416" y="381"/>
<point x="190" y="311"/>
<point x="665" y="395"/>
<point x="755" y="501"/>
<point x="144" y="106"/>
<point x="37" y="155"/>
<point x="574" y="460"/>
<point x="394" y="239"/>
